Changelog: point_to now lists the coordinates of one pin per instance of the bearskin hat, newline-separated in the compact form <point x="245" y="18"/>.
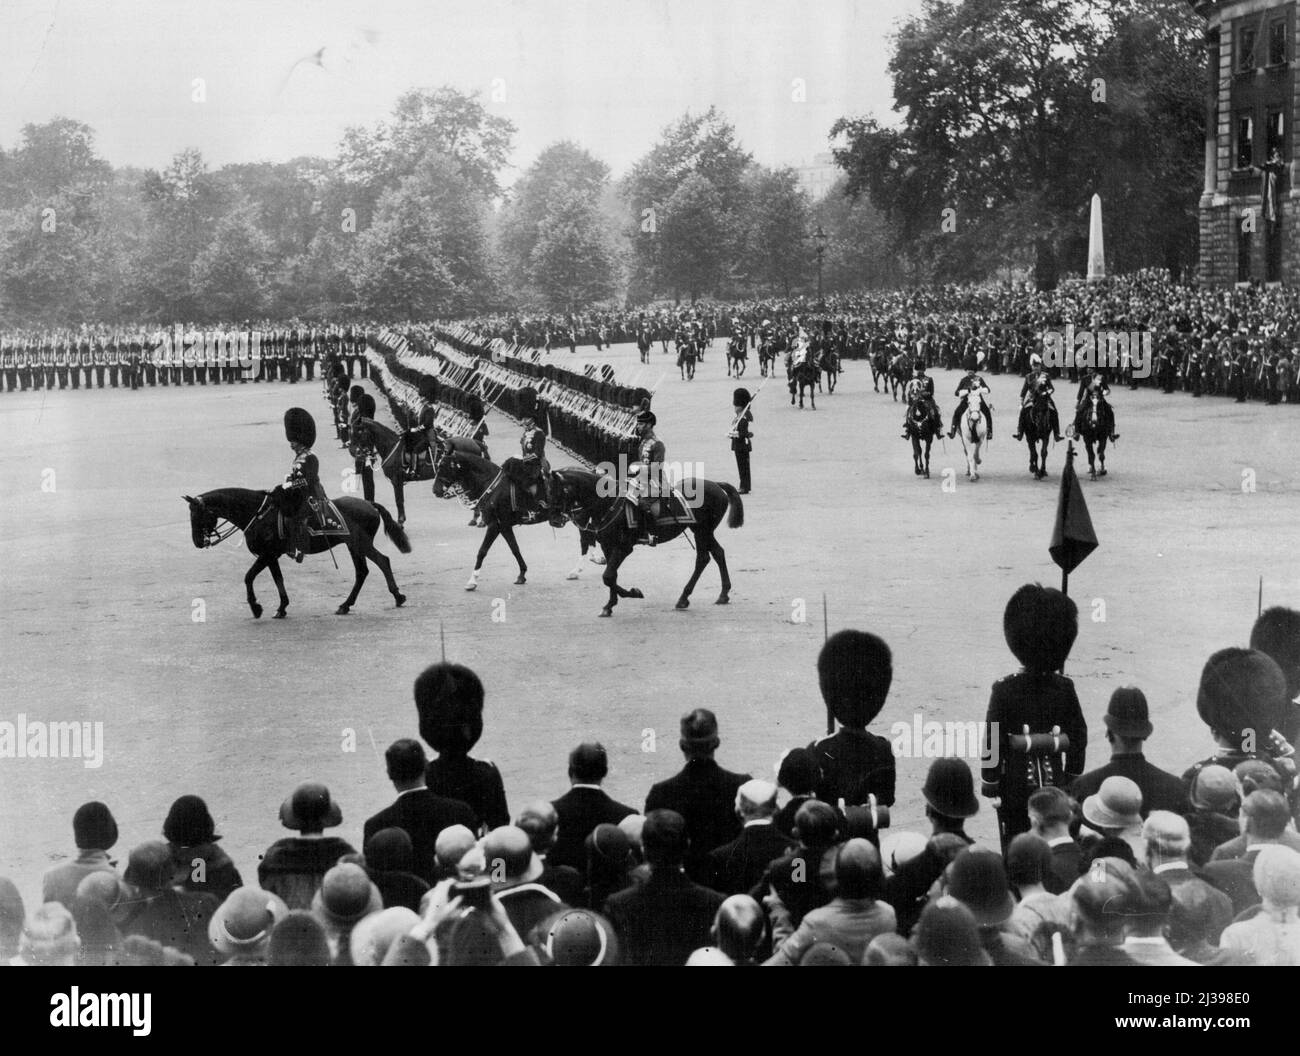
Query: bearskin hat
<point x="1040" y="625"/>
<point x="641" y="397"/>
<point x="449" y="703"/>
<point x="527" y="402"/>
<point x="366" y="403"/>
<point x="1277" y="634"/>
<point x="428" y="389"/>
<point x="299" y="427"/>
<point x="355" y="393"/>
<point x="740" y="398"/>
<point x="1242" y="692"/>
<point x="645" y="415"/>
<point x="855" y="670"/>
<point x="474" y="407"/>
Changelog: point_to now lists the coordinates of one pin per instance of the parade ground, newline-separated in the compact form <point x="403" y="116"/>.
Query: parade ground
<point x="112" y="616"/>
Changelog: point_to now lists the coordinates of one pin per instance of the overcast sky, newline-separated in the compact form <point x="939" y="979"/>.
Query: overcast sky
<point x="606" y="73"/>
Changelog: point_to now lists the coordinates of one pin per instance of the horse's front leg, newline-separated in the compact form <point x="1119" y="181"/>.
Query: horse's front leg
<point x="610" y="578"/>
<point x="254" y="571"/>
<point x="278" y="576"/>
<point x="508" y="534"/>
<point x="489" y="537"/>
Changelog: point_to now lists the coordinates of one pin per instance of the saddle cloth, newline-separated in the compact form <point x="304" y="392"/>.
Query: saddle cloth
<point x="323" y="520"/>
<point x="673" y="509"/>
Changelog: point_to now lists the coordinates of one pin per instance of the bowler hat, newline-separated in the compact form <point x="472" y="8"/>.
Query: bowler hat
<point x="579" y="938"/>
<point x="310" y="808"/>
<point x="950" y="789"/>
<point x="346" y="895"/>
<point x="1214" y="788"/>
<point x="1126" y="715"/>
<point x="948" y="936"/>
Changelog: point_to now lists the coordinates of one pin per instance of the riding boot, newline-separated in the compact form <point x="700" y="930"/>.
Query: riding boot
<point x="1019" y="434"/>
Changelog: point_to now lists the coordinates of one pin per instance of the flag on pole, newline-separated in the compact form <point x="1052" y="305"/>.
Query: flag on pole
<point x="1072" y="537"/>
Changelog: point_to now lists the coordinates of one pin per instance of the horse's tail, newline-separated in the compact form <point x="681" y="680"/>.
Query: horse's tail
<point x="736" y="513"/>
<point x="394" y="531"/>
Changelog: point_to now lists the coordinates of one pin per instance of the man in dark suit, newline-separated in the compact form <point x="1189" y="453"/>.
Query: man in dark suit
<point x="417" y="811"/>
<point x="660" y="921"/>
<point x="1050" y="812"/>
<point x="1098" y="912"/>
<point x="583" y="807"/>
<point x="1128" y="725"/>
<point x="540" y="821"/>
<point x="702" y="793"/>
<point x="737" y="866"/>
<point x="1266" y="814"/>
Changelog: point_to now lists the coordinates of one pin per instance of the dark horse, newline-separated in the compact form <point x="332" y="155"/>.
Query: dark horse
<point x="392" y="449"/>
<point x="1091" y="425"/>
<point x="466" y="475"/>
<point x="1038" y="430"/>
<point x="736" y="355"/>
<point x="255" y="513"/>
<point x="594" y="505"/>
<point x="802" y="373"/>
<point x="828" y="360"/>
<point x="900" y="371"/>
<point x="687" y="352"/>
<point x="879" y="369"/>
<point x="921" y="430"/>
<point x="767" y="353"/>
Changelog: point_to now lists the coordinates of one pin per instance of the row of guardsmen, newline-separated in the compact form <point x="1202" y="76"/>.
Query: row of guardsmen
<point x="176" y="355"/>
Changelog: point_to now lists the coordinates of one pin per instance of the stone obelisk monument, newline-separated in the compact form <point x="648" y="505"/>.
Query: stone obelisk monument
<point x="1096" y="251"/>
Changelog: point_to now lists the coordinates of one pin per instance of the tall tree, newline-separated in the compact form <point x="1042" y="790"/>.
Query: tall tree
<point x="571" y="263"/>
<point x="695" y="238"/>
<point x="231" y="276"/>
<point x="777" y="253"/>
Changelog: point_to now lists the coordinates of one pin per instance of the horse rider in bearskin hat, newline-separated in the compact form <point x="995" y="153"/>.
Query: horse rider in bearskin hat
<point x="647" y="486"/>
<point x="740" y="434"/>
<point x="1093" y="382"/>
<point x="531" y="470"/>
<point x="972" y="382"/>
<point x="921" y="387"/>
<point x="301" y="498"/>
<point x="1036" y="381"/>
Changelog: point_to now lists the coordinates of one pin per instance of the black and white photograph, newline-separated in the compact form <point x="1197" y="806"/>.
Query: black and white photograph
<point x="650" y="483"/>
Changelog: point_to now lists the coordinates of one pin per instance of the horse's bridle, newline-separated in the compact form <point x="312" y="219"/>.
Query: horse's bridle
<point x="216" y="534"/>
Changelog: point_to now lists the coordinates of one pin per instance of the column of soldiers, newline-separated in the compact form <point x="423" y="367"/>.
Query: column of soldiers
<point x="175" y="355"/>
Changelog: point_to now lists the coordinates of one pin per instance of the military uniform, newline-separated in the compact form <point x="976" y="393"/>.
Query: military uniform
<point x="1037" y="380"/>
<point x="970" y="383"/>
<point x="741" y="442"/>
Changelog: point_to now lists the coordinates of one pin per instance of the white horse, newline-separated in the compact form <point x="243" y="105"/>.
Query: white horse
<point x="974" y="432"/>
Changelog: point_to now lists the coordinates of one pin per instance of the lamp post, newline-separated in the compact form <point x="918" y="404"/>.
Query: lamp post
<point x="821" y="238"/>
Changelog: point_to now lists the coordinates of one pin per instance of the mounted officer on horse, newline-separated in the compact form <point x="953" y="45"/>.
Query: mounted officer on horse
<point x="1038" y="385"/>
<point x="306" y="512"/>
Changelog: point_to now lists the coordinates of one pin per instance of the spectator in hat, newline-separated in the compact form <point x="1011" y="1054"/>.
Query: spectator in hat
<point x="163" y="912"/>
<point x="375" y="934"/>
<point x="346" y="896"/>
<point x="1265" y="815"/>
<point x="1243" y="698"/>
<point x="948" y="937"/>
<point x="540" y="821"/>
<point x="102" y="901"/>
<point x="11" y="919"/>
<point x="853" y="917"/>
<point x="1214" y="799"/>
<point x="899" y="848"/>
<point x="1115" y="810"/>
<point x="240" y="929"/>
<point x="1128" y="725"/>
<point x="49" y="938"/>
<point x="889" y="951"/>
<point x="798" y="774"/>
<point x="293" y="867"/>
<point x="578" y="938"/>
<point x="1147" y="926"/>
<point x="515" y="871"/>
<point x="94" y="832"/>
<point x="298" y="941"/>
<point x="137" y="951"/>
<point x="1168" y="841"/>
<point x="854" y="671"/>
<point x="702" y="793"/>
<point x="977" y="878"/>
<point x="449" y="702"/>
<point x="740" y="929"/>
<point x="737" y="866"/>
<point x="452" y="846"/>
<point x="1051" y="810"/>
<point x="417" y="811"/>
<point x="662" y="920"/>
<point x="1039" y="914"/>
<point x="1099" y="906"/>
<point x="1191" y="918"/>
<point x="825" y="955"/>
<point x="1276" y="634"/>
<point x="1040" y="626"/>
<point x="1252" y="776"/>
<point x="1272" y="935"/>
<point x="609" y="864"/>
<point x="389" y="862"/>
<point x="949" y="794"/>
<point x="192" y="836"/>
<point x="585" y="805"/>
<point x="801" y="879"/>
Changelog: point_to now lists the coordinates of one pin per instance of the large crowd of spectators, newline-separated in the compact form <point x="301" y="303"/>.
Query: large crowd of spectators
<point x="1120" y="864"/>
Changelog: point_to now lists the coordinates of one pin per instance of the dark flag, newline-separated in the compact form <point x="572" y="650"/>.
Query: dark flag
<point x="1072" y="537"/>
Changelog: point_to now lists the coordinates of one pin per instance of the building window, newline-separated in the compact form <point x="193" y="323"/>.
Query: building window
<point x="1277" y="42"/>
<point x="1275" y="139"/>
<point x="1245" y="141"/>
<point x="1243" y="255"/>
<point x="1245" y="49"/>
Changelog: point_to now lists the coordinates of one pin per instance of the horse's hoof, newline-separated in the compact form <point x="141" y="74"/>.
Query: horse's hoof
<point x="606" y="612"/>
<point x="683" y="603"/>
<point x="723" y="599"/>
<point x="597" y="560"/>
<point x="342" y="610"/>
<point x="471" y="585"/>
<point x="279" y="615"/>
<point x="520" y="581"/>
<point x="399" y="601"/>
<point x="1101" y="472"/>
<point x="257" y="611"/>
<point x="572" y="575"/>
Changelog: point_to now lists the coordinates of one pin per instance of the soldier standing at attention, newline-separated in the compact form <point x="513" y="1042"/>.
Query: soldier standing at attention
<point x="740" y="435"/>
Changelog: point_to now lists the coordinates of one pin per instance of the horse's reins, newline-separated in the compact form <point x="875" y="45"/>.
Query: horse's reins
<point x="218" y="535"/>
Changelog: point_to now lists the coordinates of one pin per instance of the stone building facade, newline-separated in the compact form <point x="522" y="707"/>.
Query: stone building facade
<point x="1252" y="101"/>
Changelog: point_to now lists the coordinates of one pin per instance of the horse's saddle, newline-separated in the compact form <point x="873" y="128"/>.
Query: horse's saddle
<point x="673" y="509"/>
<point x="324" y="519"/>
